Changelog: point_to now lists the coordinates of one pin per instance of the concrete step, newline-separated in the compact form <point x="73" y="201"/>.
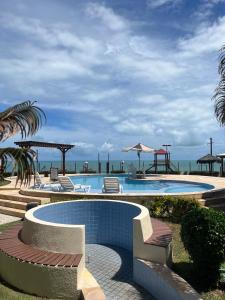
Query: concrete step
<point x="12" y="211"/>
<point x="13" y="204"/>
<point x="213" y="194"/>
<point x="216" y="200"/>
<point x="220" y="207"/>
<point x="19" y="197"/>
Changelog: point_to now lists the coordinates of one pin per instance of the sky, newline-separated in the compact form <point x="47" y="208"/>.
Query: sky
<point x="109" y="74"/>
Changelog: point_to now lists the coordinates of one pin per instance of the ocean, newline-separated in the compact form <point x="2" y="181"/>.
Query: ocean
<point x="77" y="166"/>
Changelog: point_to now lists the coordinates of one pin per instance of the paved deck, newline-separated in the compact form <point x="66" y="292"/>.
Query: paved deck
<point x="112" y="267"/>
<point x="4" y="219"/>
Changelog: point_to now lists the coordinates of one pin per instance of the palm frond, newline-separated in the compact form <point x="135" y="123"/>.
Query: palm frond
<point x="24" y="118"/>
<point x="219" y="93"/>
<point x="24" y="160"/>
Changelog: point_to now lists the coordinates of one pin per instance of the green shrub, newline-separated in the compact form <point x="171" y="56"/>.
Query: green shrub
<point x="203" y="235"/>
<point x="204" y="173"/>
<point x="170" y="207"/>
<point x="117" y="172"/>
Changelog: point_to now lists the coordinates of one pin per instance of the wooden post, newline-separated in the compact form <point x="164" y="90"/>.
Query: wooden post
<point x="64" y="150"/>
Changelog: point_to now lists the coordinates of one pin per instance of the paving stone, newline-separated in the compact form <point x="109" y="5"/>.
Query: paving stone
<point x="112" y="267"/>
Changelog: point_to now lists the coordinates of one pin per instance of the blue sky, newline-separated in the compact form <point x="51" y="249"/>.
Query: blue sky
<point x="110" y="74"/>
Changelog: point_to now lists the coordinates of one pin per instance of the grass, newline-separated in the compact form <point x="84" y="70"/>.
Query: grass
<point x="183" y="266"/>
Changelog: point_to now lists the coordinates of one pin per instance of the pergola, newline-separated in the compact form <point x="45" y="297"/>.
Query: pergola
<point x="62" y="147"/>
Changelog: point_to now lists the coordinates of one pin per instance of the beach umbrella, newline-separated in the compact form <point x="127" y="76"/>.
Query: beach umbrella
<point x="139" y="148"/>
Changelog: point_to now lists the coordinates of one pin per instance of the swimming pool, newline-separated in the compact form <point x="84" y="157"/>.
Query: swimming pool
<point x="144" y="186"/>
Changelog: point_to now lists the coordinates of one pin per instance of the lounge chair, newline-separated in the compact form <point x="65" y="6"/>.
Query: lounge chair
<point x="132" y="172"/>
<point x="68" y="186"/>
<point x="38" y="182"/>
<point x="112" y="185"/>
<point x="40" y="185"/>
<point x="53" y="174"/>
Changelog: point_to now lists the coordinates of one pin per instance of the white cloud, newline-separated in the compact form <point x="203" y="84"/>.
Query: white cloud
<point x="106" y="147"/>
<point x="100" y="76"/>
<point x="159" y="3"/>
<point x="107" y="16"/>
<point x="135" y="126"/>
<point x="103" y="95"/>
<point x="206" y="39"/>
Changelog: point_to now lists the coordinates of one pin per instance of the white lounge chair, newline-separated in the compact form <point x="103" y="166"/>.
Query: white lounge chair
<point x="112" y="185"/>
<point x="68" y="186"/>
<point x="132" y="172"/>
<point x="38" y="182"/>
<point x="53" y="174"/>
<point x="40" y="185"/>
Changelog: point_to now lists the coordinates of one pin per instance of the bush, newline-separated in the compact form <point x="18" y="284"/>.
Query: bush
<point x="203" y="235"/>
<point x="117" y="172"/>
<point x="170" y="207"/>
<point x="152" y="171"/>
<point x="204" y="173"/>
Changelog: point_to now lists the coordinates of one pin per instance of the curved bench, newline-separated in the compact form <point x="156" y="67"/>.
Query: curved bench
<point x="161" y="235"/>
<point x="37" y="271"/>
<point x="11" y="244"/>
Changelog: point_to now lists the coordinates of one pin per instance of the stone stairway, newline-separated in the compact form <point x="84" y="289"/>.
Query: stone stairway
<point x="214" y="199"/>
<point x="14" y="204"/>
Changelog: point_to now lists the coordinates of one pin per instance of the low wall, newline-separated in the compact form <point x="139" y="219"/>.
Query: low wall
<point x="62" y="238"/>
<point x="44" y="281"/>
<point x="162" y="282"/>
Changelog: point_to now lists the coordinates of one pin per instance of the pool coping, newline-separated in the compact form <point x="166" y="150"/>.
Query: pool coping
<point x="217" y="182"/>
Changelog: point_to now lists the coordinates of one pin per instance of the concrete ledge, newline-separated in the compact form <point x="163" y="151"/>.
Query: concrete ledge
<point x="162" y="282"/>
<point x="54" y="237"/>
<point x="90" y="287"/>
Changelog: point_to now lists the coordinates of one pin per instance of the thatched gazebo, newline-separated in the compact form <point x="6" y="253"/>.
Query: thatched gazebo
<point x="210" y="160"/>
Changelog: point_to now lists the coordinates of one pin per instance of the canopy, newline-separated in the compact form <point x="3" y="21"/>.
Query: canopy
<point x="208" y="159"/>
<point x="139" y="148"/>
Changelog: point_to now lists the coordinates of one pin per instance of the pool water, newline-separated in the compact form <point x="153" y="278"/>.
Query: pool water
<point x="143" y="186"/>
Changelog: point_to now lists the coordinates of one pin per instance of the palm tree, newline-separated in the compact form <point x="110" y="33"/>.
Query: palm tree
<point x="24" y="118"/>
<point x="219" y="94"/>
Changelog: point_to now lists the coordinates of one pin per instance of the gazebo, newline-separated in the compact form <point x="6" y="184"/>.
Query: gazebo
<point x="62" y="147"/>
<point x="210" y="160"/>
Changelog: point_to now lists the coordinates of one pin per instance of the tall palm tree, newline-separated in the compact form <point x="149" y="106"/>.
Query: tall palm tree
<point x="219" y="94"/>
<point x="24" y="118"/>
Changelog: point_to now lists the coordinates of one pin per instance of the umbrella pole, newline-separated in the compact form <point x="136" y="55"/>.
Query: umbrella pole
<point x="139" y="161"/>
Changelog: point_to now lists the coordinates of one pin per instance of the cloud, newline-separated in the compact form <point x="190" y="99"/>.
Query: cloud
<point x="159" y="3"/>
<point x="206" y="39"/>
<point x="107" y="16"/>
<point x="101" y="74"/>
<point x="206" y="9"/>
<point x="106" y="147"/>
<point x="83" y="148"/>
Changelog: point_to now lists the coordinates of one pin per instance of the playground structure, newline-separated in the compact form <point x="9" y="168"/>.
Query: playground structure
<point x="162" y="163"/>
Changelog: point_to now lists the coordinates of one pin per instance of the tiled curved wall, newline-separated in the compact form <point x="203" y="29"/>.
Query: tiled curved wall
<point x="106" y="222"/>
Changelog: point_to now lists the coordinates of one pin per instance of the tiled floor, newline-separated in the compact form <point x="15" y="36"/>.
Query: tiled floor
<point x="112" y="268"/>
<point x="7" y="219"/>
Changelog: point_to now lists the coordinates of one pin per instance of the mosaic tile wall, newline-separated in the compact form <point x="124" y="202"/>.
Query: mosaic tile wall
<point x="105" y="222"/>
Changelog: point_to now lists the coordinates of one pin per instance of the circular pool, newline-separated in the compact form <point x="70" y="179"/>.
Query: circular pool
<point x="143" y="186"/>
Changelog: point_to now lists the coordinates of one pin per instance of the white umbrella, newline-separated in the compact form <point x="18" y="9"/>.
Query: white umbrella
<point x="139" y="148"/>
